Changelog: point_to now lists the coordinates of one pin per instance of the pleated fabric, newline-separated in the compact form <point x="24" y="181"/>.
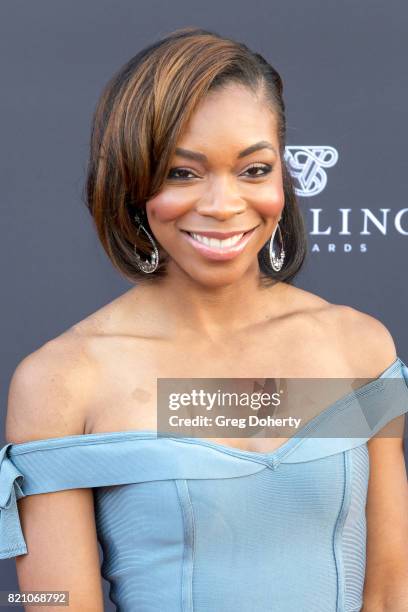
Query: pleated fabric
<point x="187" y="525"/>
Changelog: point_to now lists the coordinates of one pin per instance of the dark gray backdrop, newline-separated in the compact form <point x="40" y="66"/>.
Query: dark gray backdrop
<point x="344" y="69"/>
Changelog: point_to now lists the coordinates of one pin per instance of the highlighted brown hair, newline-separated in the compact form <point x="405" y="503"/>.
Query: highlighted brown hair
<point x="137" y="122"/>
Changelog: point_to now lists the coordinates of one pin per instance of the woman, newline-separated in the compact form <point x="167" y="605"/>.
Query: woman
<point x="192" y="201"/>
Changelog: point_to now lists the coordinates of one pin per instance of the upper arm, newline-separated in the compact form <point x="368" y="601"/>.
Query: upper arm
<point x="47" y="398"/>
<point x="386" y="580"/>
<point x="59" y="529"/>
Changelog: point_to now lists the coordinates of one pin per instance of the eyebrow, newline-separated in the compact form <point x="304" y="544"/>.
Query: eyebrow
<point x="200" y="157"/>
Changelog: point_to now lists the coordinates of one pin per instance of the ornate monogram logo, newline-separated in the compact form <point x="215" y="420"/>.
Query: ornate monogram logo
<point x="307" y="166"/>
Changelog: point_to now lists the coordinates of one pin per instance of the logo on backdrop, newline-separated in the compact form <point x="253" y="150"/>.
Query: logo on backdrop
<point x="308" y="165"/>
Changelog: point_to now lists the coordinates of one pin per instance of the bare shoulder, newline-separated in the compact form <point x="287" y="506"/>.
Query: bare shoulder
<point x="367" y="343"/>
<point x="52" y="388"/>
<point x="362" y="342"/>
<point x="49" y="389"/>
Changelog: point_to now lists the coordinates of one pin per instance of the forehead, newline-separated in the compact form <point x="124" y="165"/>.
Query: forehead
<point x="230" y="114"/>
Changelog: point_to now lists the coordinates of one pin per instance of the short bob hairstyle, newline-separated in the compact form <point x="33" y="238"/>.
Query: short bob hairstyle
<point x="136" y="124"/>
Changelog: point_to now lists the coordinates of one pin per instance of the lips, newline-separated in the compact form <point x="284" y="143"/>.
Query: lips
<point x="212" y="247"/>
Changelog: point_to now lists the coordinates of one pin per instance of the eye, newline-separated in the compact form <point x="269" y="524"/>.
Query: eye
<point x="181" y="171"/>
<point x="181" y="174"/>
<point x="265" y="167"/>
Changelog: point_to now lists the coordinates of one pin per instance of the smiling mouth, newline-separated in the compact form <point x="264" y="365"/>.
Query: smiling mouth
<point x="218" y="239"/>
<point x="216" y="248"/>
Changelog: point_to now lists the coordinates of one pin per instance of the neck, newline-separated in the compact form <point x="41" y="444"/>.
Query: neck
<point x="212" y="312"/>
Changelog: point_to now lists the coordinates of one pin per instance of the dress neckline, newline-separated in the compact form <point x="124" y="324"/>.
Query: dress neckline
<point x="277" y="454"/>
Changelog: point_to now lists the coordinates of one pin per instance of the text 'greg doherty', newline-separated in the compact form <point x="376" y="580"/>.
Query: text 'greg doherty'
<point x="242" y="423"/>
<point x="208" y="401"/>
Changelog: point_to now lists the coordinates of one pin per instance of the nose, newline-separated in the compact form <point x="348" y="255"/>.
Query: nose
<point x="221" y="201"/>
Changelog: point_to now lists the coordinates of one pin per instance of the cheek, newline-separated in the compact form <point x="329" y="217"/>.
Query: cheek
<point x="271" y="203"/>
<point x="166" y="206"/>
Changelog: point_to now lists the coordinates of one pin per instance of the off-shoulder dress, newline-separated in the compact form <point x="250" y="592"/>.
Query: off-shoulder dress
<point x="186" y="524"/>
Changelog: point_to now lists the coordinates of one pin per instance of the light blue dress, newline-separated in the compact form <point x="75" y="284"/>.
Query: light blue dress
<point x="190" y="525"/>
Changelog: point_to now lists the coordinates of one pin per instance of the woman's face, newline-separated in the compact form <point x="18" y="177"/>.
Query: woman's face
<point x="226" y="176"/>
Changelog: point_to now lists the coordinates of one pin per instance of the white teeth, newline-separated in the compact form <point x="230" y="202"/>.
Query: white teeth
<point x="214" y="242"/>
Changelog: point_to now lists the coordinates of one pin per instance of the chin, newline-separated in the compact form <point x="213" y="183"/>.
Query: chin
<point x="215" y="278"/>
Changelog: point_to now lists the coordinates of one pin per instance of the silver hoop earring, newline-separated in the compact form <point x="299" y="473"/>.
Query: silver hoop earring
<point x="146" y="266"/>
<point x="276" y="262"/>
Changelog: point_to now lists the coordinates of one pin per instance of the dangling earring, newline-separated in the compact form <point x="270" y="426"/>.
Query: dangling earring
<point x="276" y="262"/>
<point x="146" y="266"/>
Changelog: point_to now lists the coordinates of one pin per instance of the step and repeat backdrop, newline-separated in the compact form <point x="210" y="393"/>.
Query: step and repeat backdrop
<point x="344" y="69"/>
